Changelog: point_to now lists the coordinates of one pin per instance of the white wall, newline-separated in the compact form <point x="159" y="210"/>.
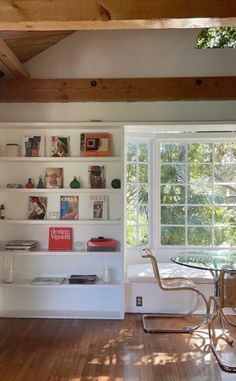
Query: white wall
<point x="147" y="53"/>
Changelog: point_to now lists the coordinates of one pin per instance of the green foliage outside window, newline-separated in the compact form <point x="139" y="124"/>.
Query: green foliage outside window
<point x="198" y="194"/>
<point x="221" y="37"/>
<point x="137" y="194"/>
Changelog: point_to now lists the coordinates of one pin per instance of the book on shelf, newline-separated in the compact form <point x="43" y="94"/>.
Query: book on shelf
<point x="59" y="146"/>
<point x="33" y="146"/>
<point x="60" y="238"/>
<point x="97" y="176"/>
<point x="20" y="244"/>
<point x="48" y="280"/>
<point x="69" y="207"/>
<point x="54" y="178"/>
<point x="37" y="208"/>
<point x="95" y="144"/>
<point x="99" y="206"/>
<point x="82" y="279"/>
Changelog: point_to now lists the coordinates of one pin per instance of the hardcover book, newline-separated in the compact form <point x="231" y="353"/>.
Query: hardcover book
<point x="37" y="208"/>
<point x="20" y="244"/>
<point x="54" y="178"/>
<point x="60" y="146"/>
<point x="95" y="144"/>
<point x="69" y="207"/>
<point x="97" y="176"/>
<point x="99" y="207"/>
<point x="60" y="238"/>
<point x="33" y="146"/>
<point x="48" y="280"/>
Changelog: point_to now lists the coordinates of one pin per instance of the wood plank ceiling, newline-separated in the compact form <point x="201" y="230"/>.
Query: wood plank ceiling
<point x="27" y="27"/>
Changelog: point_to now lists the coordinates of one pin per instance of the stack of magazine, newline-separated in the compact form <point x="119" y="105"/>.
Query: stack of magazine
<point x="21" y="244"/>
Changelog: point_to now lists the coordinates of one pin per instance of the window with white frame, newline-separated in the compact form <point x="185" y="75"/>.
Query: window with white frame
<point x="138" y="190"/>
<point x="198" y="193"/>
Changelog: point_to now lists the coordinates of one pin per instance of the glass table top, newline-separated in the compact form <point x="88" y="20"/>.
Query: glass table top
<point x="207" y="259"/>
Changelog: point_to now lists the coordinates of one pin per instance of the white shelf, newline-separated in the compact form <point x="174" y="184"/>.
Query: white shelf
<point x="60" y="222"/>
<point x="60" y="190"/>
<point x="27" y="283"/>
<point x="110" y="159"/>
<point x="61" y="253"/>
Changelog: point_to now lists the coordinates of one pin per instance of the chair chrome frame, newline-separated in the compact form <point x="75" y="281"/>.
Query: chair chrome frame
<point x="183" y="284"/>
<point x="226" y="299"/>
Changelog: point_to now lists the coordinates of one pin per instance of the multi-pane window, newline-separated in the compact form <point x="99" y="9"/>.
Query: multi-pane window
<point x="137" y="214"/>
<point x="198" y="194"/>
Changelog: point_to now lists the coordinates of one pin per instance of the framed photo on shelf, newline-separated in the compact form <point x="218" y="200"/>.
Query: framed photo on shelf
<point x="33" y="146"/>
<point x="99" y="207"/>
<point x="60" y="146"/>
<point x="37" y="208"/>
<point x="97" y="176"/>
<point x="54" y="178"/>
<point x="69" y="207"/>
<point x="95" y="144"/>
<point x="60" y="238"/>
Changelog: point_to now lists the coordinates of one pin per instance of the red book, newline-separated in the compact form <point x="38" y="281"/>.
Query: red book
<point x="60" y="239"/>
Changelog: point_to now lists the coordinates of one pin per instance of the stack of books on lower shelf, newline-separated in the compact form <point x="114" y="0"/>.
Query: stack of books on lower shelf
<point x="82" y="279"/>
<point x="21" y="244"/>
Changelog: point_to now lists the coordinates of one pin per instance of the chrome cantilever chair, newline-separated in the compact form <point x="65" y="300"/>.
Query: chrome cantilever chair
<point x="226" y="299"/>
<point x="173" y="284"/>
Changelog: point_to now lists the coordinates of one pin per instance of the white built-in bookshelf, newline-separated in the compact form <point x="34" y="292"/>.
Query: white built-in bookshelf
<point x="21" y="298"/>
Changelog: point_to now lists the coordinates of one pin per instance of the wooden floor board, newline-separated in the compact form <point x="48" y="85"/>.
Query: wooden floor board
<point x="102" y="350"/>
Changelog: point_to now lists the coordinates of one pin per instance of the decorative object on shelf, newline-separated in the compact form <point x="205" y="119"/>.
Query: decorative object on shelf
<point x="95" y="144"/>
<point x="40" y="184"/>
<point x="107" y="275"/>
<point x="2" y="212"/>
<point x="54" y="178"/>
<point x="53" y="215"/>
<point x="60" y="238"/>
<point x="116" y="183"/>
<point x="97" y="176"/>
<point x="79" y="246"/>
<point x="12" y="150"/>
<point x="75" y="184"/>
<point x="37" y="208"/>
<point x="60" y="146"/>
<point x="69" y="207"/>
<point x="33" y="146"/>
<point x="101" y="244"/>
<point x="29" y="184"/>
<point x="8" y="268"/>
<point x="99" y="207"/>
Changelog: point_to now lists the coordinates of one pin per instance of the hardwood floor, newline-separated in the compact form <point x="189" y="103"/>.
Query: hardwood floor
<point x="102" y="350"/>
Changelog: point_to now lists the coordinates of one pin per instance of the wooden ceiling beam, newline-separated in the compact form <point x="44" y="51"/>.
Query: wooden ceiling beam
<point x="10" y="65"/>
<point x="113" y="14"/>
<point x="118" y="89"/>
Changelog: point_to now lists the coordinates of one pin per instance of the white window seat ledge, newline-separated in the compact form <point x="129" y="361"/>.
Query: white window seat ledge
<point x="140" y="281"/>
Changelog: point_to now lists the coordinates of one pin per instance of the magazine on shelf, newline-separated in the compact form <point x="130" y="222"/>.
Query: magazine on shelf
<point x="99" y="207"/>
<point x="69" y="207"/>
<point x="60" y="146"/>
<point x="97" y="176"/>
<point x="54" y="178"/>
<point x="60" y="239"/>
<point x="20" y="244"/>
<point x="95" y="144"/>
<point x="48" y="280"/>
<point x="33" y="146"/>
<point x="37" y="208"/>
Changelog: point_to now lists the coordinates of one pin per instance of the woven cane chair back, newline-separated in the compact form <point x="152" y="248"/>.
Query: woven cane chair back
<point x="228" y="288"/>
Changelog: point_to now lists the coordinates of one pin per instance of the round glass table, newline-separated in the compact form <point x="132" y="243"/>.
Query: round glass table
<point x="212" y="260"/>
